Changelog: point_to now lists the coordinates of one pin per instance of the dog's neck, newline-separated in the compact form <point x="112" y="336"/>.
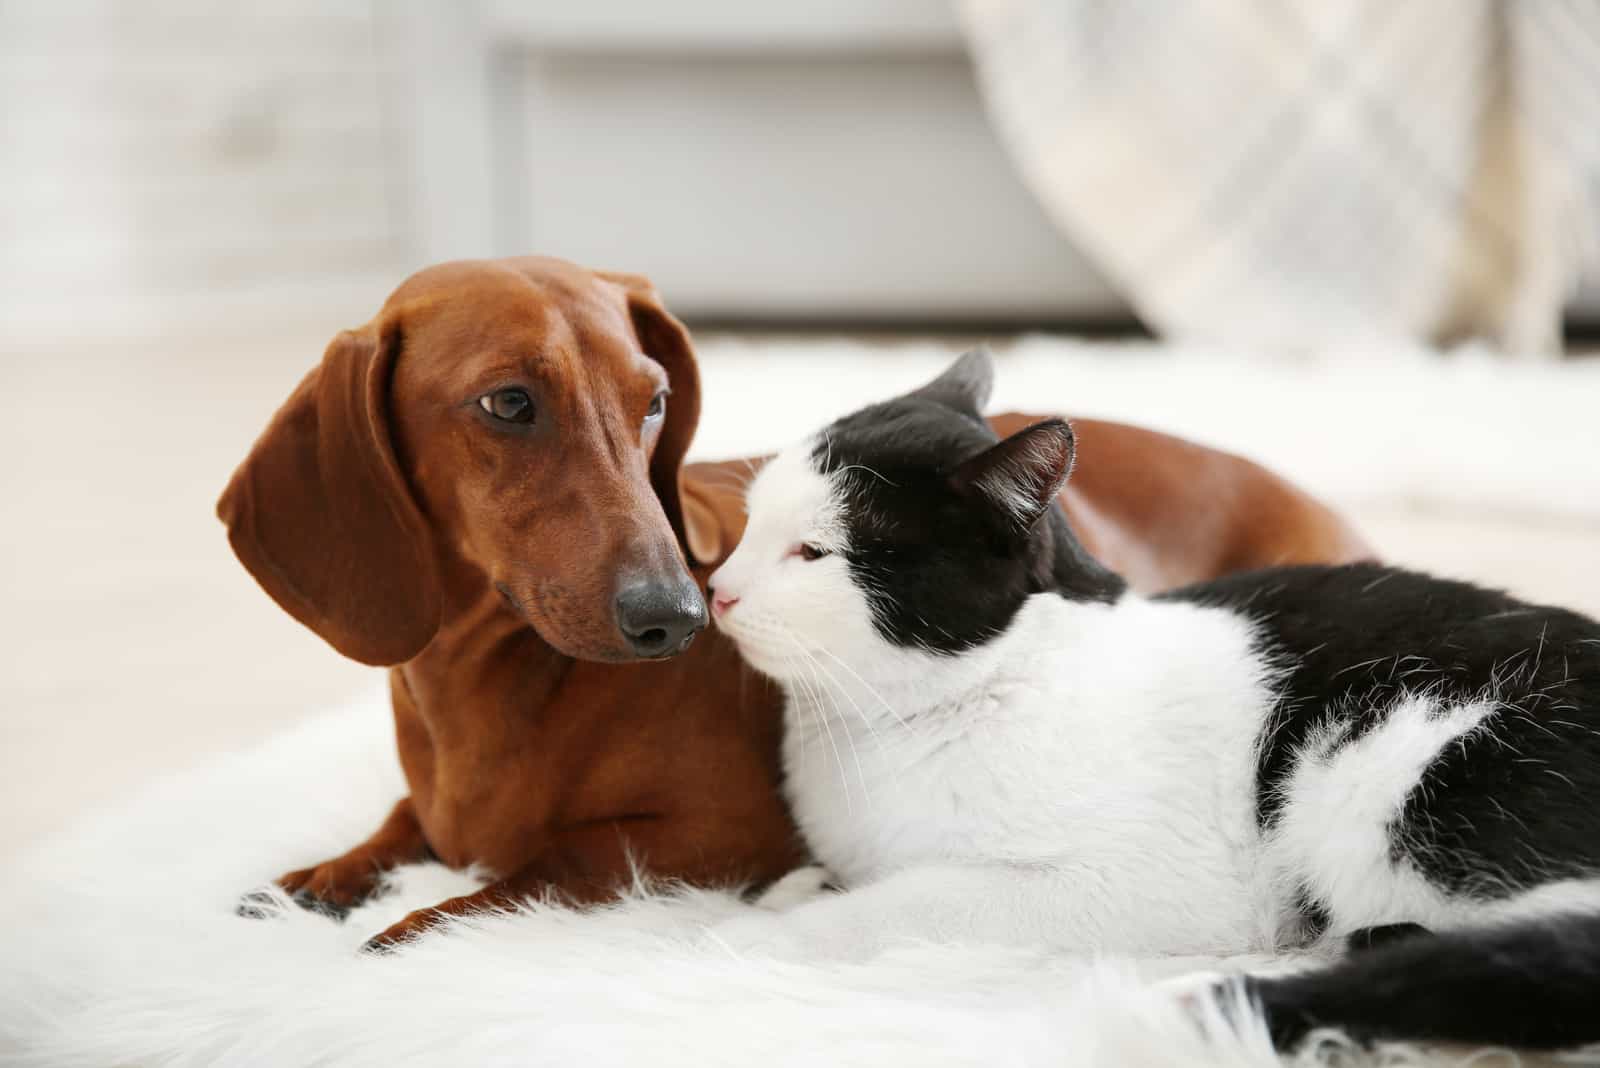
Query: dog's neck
<point x="482" y="638"/>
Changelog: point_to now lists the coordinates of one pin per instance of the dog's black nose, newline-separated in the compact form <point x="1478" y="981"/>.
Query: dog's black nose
<point x="660" y="618"/>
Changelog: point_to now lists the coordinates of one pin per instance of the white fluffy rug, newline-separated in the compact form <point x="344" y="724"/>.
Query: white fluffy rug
<point x="121" y="946"/>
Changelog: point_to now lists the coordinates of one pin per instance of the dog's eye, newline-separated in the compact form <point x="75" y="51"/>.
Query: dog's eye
<point x="809" y="552"/>
<point x="658" y="407"/>
<point x="508" y="405"/>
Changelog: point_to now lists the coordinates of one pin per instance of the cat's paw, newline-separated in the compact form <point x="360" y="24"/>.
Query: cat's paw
<point x="1215" y="1002"/>
<point x="1194" y="989"/>
<point x="796" y="888"/>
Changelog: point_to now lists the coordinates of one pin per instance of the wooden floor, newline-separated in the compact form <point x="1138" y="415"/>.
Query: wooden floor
<point x="135" y="645"/>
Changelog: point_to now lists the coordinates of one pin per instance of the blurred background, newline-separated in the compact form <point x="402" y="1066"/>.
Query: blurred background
<point x="1355" y="241"/>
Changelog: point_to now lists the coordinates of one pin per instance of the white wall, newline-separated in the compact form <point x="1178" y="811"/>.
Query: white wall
<point x="170" y="164"/>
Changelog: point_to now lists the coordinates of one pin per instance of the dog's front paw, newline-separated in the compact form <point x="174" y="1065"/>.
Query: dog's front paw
<point x="259" y="905"/>
<point x="397" y="935"/>
<point x="331" y="889"/>
<point x="266" y="904"/>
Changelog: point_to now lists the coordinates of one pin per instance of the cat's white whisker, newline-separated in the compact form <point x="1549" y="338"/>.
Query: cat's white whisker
<point x="836" y="686"/>
<point x="811" y="663"/>
<point x="866" y="686"/>
<point x="882" y="746"/>
<point x="821" y="717"/>
<point x="805" y="740"/>
<point x="875" y="474"/>
<point x="781" y="633"/>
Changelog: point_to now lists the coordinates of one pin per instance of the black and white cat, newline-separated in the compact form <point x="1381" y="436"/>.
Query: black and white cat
<point x="990" y="737"/>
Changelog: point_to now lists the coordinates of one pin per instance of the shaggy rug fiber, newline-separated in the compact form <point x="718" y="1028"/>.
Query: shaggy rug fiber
<point x="122" y="947"/>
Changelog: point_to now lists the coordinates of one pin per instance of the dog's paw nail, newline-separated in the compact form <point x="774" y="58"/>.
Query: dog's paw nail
<point x="258" y="905"/>
<point x="379" y="946"/>
<point x="312" y="903"/>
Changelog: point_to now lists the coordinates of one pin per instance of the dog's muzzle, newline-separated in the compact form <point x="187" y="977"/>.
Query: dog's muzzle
<point x="660" y="618"/>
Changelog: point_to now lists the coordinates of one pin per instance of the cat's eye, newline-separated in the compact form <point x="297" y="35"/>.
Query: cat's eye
<point x="658" y="407"/>
<point x="509" y="405"/>
<point x="806" y="551"/>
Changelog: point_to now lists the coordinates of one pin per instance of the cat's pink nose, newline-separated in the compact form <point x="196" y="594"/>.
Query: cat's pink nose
<point x="719" y="605"/>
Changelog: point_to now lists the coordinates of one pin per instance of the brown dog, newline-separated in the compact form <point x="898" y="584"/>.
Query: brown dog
<point x="484" y="488"/>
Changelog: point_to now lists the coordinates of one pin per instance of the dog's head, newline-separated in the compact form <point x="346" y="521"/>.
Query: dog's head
<point x="518" y="422"/>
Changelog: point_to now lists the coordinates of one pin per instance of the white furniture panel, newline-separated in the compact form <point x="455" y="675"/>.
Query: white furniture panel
<point x="788" y="186"/>
<point x="756" y="163"/>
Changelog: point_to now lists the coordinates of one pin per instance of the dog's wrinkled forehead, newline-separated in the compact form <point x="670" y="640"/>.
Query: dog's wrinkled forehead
<point x="513" y="308"/>
<point x="519" y="332"/>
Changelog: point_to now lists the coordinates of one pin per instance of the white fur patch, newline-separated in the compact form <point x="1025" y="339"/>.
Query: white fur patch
<point x="789" y="606"/>
<point x="1339" y="802"/>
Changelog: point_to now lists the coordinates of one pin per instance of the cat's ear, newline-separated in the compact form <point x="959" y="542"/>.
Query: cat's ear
<point x="1022" y="474"/>
<point x="965" y="385"/>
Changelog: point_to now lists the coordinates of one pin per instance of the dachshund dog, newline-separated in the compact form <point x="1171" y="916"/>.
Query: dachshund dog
<point x="484" y="489"/>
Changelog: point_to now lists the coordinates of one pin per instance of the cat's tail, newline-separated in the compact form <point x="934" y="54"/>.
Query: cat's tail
<point x="1533" y="984"/>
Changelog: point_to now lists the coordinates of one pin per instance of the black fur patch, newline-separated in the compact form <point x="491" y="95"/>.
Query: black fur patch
<point x="1312" y="916"/>
<point x="1507" y="808"/>
<point x="945" y="570"/>
<point x="1366" y="939"/>
<point x="1534" y="985"/>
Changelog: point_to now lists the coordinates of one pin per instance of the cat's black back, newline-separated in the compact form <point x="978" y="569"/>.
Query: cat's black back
<point x="1507" y="808"/>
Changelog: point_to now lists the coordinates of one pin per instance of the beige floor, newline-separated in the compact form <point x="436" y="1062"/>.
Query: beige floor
<point x="135" y="645"/>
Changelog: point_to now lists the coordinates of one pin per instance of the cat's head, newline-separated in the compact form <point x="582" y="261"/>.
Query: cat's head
<point x="903" y="532"/>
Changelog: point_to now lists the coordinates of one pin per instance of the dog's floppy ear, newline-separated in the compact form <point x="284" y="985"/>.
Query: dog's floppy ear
<point x="665" y="340"/>
<point x="321" y="515"/>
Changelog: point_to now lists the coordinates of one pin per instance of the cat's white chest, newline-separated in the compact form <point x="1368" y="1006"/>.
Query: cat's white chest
<point x="870" y="801"/>
<point x="1120" y="747"/>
